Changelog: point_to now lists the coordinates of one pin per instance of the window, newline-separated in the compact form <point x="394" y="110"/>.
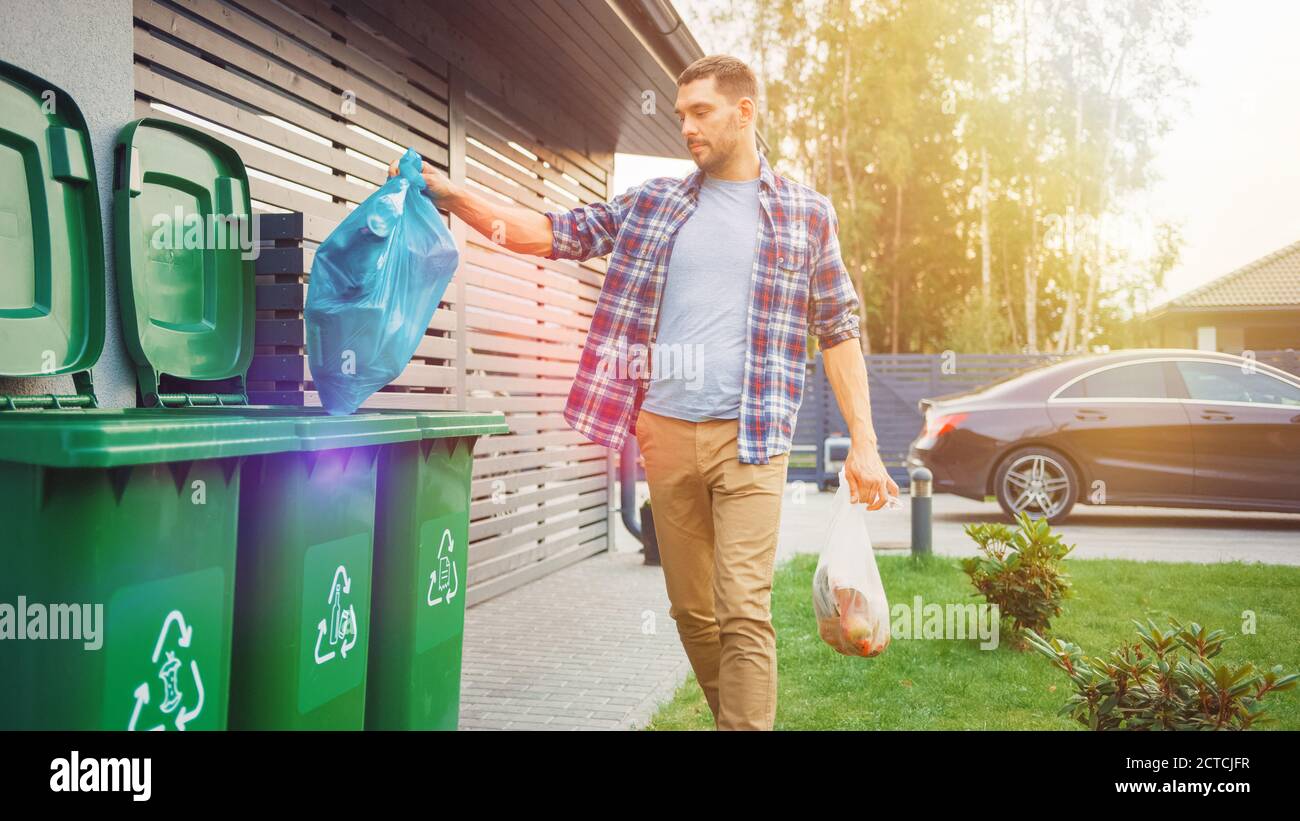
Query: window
<point x="1220" y="382"/>
<point x="1075" y="391"/>
<point x="1143" y="381"/>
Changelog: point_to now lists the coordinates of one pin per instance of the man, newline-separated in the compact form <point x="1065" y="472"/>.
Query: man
<point x="717" y="278"/>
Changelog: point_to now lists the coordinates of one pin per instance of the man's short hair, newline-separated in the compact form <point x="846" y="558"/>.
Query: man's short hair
<point x="732" y="77"/>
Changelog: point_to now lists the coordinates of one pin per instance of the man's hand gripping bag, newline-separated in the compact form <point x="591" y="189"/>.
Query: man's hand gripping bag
<point x="376" y="281"/>
<point x="848" y="597"/>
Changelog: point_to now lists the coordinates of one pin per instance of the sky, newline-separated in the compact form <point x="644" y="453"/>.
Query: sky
<point x="1230" y="167"/>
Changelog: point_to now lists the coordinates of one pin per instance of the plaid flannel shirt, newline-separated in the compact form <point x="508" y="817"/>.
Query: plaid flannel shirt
<point x="800" y="283"/>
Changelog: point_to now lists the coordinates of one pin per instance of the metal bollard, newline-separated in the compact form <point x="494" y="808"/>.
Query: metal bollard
<point x="922" y="531"/>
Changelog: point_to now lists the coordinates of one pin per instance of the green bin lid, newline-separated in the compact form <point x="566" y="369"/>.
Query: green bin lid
<point x="51" y="240"/>
<point x="314" y="429"/>
<point x="317" y="430"/>
<point x="182" y="214"/>
<point x="444" y="424"/>
<point x="328" y="432"/>
<point x="118" y="437"/>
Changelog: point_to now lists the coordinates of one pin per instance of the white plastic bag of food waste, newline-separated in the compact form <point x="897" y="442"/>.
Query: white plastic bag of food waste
<point x="848" y="597"/>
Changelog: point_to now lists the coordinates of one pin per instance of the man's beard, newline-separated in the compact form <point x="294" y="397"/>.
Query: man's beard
<point x="718" y="156"/>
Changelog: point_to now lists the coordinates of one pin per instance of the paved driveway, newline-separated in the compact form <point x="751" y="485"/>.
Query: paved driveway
<point x="1145" y="533"/>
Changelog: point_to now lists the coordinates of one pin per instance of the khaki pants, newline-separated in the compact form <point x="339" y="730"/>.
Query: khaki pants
<point x="717" y="521"/>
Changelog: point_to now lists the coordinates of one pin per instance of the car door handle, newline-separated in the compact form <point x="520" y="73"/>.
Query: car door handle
<point x="1295" y="420"/>
<point x="1213" y="415"/>
<point x="1089" y="413"/>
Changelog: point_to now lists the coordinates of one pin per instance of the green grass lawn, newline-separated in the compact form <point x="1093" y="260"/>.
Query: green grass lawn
<point x="952" y="684"/>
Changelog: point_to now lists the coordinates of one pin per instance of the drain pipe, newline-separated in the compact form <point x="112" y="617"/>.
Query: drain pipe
<point x="627" y="488"/>
<point x="644" y="527"/>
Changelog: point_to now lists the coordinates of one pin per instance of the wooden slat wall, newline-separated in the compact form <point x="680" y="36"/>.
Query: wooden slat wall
<point x="525" y="323"/>
<point x="269" y="78"/>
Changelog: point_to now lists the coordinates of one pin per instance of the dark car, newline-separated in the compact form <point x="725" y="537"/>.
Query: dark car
<point x="1159" y="427"/>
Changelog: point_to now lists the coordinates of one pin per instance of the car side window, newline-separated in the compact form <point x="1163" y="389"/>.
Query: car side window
<point x="1220" y="382"/>
<point x="1075" y="391"/>
<point x="1142" y="381"/>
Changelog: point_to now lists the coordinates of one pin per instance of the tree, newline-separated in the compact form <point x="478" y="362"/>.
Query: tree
<point x="981" y="155"/>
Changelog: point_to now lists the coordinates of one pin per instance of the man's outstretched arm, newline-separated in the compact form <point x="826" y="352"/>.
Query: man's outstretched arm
<point x="518" y="229"/>
<point x="581" y="233"/>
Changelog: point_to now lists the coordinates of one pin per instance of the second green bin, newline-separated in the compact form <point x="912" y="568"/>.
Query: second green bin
<point x="303" y="586"/>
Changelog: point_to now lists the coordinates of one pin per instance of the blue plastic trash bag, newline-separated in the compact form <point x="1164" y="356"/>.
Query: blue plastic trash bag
<point x="374" y="286"/>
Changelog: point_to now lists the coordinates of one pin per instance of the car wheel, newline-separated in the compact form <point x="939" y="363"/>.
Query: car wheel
<point x="1038" y="481"/>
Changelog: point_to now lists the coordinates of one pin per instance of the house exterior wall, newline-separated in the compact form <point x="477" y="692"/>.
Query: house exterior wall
<point x="524" y="104"/>
<point x="1234" y="331"/>
<point x="84" y="49"/>
<point x="318" y="101"/>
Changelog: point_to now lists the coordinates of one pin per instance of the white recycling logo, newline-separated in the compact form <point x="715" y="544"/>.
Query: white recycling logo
<point x="169" y="674"/>
<point x="444" y="578"/>
<point x="339" y="628"/>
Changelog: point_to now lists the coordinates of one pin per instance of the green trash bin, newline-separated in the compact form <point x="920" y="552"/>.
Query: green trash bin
<point x="123" y="525"/>
<point x="421" y="540"/>
<point x="304" y="589"/>
<point x="304" y="595"/>
<point x="117" y="566"/>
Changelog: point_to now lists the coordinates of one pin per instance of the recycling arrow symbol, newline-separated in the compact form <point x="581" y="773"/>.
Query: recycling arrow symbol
<point x="185" y="637"/>
<point x="449" y="583"/>
<point x="346" y="630"/>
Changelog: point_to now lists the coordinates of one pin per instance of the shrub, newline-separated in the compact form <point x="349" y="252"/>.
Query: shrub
<point x="1020" y="571"/>
<point x="1172" y="684"/>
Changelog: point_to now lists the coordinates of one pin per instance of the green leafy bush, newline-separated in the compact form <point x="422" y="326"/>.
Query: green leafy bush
<point x="1020" y="571"/>
<point x="1172" y="684"/>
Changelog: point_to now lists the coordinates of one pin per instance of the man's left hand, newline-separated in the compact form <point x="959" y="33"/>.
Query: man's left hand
<point x="868" y="480"/>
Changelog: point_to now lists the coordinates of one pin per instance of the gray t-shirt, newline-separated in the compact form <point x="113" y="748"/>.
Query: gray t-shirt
<point x="699" y="352"/>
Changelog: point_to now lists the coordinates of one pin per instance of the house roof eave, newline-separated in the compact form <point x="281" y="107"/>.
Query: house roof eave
<point x="666" y="37"/>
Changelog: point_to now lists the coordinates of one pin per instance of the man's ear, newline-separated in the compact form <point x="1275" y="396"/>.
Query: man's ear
<point x="748" y="110"/>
